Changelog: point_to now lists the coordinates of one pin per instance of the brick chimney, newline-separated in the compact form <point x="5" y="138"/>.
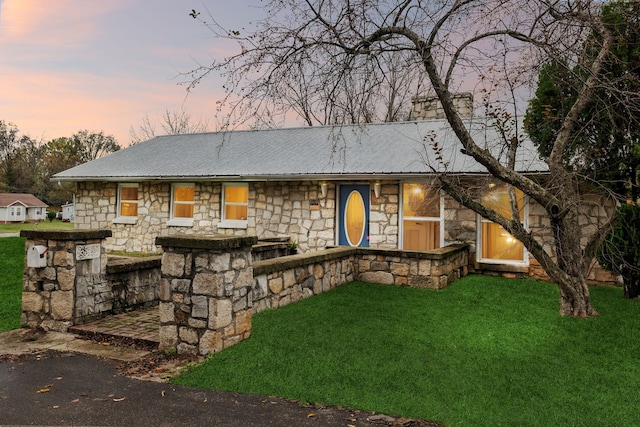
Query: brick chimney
<point x="429" y="107"/>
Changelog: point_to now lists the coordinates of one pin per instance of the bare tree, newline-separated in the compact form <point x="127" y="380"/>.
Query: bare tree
<point x="92" y="145"/>
<point x="172" y="122"/>
<point x="323" y="54"/>
<point x="317" y="87"/>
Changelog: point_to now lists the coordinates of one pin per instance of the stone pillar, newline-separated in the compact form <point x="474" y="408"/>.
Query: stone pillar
<point x="73" y="264"/>
<point x="205" y="292"/>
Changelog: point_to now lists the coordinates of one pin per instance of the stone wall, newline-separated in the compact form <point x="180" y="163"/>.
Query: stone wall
<point x="205" y="293"/>
<point x="96" y="208"/>
<point x="279" y="282"/>
<point x="210" y="287"/>
<point x="79" y="283"/>
<point x="297" y="210"/>
<point x="133" y="282"/>
<point x="75" y="266"/>
<point x="293" y="209"/>
<point x="595" y="211"/>
<point x="282" y="281"/>
<point x="435" y="269"/>
<point x="384" y="217"/>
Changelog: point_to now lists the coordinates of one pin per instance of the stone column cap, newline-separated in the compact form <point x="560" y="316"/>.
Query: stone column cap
<point x="219" y="242"/>
<point x="65" y="234"/>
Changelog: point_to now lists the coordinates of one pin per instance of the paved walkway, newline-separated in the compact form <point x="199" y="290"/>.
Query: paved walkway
<point x="9" y="234"/>
<point x="140" y="328"/>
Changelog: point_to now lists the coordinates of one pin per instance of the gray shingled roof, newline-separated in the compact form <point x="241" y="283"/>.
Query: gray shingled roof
<point x="400" y="149"/>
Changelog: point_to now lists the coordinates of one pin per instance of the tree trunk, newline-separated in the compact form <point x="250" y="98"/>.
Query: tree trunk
<point x="575" y="299"/>
<point x="574" y="292"/>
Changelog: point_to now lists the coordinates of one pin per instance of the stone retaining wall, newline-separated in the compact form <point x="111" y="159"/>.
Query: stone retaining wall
<point x="435" y="269"/>
<point x="282" y="281"/>
<point x="134" y="283"/>
<point x="79" y="283"/>
<point x="208" y="286"/>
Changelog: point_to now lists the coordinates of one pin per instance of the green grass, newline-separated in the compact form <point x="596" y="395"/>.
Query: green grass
<point x="11" y="268"/>
<point x="42" y="225"/>
<point x="484" y="352"/>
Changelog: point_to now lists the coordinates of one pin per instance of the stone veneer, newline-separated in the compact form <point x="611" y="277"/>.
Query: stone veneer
<point x="205" y="293"/>
<point x="297" y="210"/>
<point x="429" y="107"/>
<point x="70" y="290"/>
<point x="279" y="282"/>
<point x="210" y="287"/>
<point x="52" y="294"/>
<point x="275" y="209"/>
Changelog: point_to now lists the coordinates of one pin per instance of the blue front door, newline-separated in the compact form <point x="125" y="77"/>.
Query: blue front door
<point x="353" y="208"/>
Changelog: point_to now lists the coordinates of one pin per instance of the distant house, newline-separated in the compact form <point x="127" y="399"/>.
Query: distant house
<point x="369" y="185"/>
<point x="68" y="212"/>
<point x="21" y="207"/>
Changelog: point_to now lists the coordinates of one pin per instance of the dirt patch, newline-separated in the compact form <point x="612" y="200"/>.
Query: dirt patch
<point x="119" y="341"/>
<point x="157" y="366"/>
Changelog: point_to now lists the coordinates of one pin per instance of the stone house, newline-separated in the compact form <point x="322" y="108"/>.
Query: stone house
<point x="367" y="185"/>
<point x="16" y="207"/>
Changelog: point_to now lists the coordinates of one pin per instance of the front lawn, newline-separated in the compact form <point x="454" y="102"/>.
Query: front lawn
<point x="15" y="227"/>
<point x="484" y="352"/>
<point x="11" y="268"/>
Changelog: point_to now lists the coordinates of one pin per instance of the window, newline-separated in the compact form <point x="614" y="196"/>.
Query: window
<point x="421" y="217"/>
<point x="127" y="204"/>
<point x="235" y="201"/>
<point x="182" y="204"/>
<point x="497" y="245"/>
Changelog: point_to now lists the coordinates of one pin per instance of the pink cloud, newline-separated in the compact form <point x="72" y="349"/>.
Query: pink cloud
<point x="101" y="65"/>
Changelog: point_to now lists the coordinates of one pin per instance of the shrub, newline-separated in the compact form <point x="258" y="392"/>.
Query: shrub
<point x="620" y="252"/>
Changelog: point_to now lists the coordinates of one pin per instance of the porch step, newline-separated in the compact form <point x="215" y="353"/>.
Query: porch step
<point x="139" y="329"/>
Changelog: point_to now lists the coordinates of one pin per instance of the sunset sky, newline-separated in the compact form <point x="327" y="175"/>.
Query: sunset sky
<point x="69" y="65"/>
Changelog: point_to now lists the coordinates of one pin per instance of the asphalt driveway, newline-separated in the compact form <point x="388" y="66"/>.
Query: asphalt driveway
<point x="57" y="379"/>
<point x="55" y="388"/>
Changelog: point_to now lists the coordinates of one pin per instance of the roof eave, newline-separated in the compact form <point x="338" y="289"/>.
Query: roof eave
<point x="279" y="177"/>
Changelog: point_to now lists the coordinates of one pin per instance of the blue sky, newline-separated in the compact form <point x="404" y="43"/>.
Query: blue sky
<point x="69" y="65"/>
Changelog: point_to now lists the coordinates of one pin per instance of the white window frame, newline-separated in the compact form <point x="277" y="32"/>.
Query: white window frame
<point x="121" y="219"/>
<point x="525" y="254"/>
<point x="233" y="223"/>
<point x="403" y="218"/>
<point x="181" y="222"/>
